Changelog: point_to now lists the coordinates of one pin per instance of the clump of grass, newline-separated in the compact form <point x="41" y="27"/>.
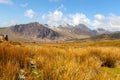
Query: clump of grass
<point x="15" y="43"/>
<point x="11" y="60"/>
<point x="108" y="62"/>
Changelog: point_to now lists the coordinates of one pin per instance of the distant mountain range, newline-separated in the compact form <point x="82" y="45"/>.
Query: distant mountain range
<point x="80" y="29"/>
<point x="43" y="32"/>
<point x="100" y="31"/>
<point x="109" y="36"/>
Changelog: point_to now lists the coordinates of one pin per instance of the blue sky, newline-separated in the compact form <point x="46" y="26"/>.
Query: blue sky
<point x="94" y="13"/>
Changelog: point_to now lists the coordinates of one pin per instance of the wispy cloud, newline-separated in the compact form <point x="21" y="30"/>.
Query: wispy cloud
<point x="5" y="23"/>
<point x="29" y="13"/>
<point x="61" y="7"/>
<point x="54" y="0"/>
<point x="24" y="4"/>
<point x="6" y="2"/>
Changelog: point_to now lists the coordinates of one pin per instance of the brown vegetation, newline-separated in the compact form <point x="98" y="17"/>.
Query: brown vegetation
<point x="61" y="61"/>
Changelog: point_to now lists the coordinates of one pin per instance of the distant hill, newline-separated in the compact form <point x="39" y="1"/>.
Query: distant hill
<point x="99" y="31"/>
<point x="115" y="35"/>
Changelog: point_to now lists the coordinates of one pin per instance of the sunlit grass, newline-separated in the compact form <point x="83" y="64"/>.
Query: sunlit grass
<point x="61" y="61"/>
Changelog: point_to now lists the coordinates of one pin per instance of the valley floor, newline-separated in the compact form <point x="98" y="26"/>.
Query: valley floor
<point x="81" y="60"/>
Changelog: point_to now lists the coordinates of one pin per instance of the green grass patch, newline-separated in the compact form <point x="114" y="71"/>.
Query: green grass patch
<point x="112" y="70"/>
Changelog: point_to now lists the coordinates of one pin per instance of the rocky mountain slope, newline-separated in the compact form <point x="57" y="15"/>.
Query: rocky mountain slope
<point x="80" y="29"/>
<point x="43" y="32"/>
<point x="29" y="32"/>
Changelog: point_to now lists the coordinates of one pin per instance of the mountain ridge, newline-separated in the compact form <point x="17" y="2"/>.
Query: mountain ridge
<point x="35" y="31"/>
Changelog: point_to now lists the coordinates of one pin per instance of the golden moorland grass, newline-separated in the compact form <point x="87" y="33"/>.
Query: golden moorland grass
<point x="98" y="60"/>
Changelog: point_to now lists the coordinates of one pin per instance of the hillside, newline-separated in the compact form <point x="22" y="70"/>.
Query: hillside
<point x="114" y="35"/>
<point x="35" y="32"/>
<point x="100" y="31"/>
<point x="80" y="29"/>
<point x="29" y="32"/>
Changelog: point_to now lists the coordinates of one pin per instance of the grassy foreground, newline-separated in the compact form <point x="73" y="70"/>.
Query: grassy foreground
<point x="61" y="61"/>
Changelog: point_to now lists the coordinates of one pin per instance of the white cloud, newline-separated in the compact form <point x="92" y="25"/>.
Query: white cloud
<point x="99" y="21"/>
<point x="113" y="22"/>
<point x="24" y="5"/>
<point x="56" y="18"/>
<point x="29" y="13"/>
<point x="110" y="22"/>
<point x="99" y="17"/>
<point x="53" y="18"/>
<point x="79" y="18"/>
<point x="6" y="2"/>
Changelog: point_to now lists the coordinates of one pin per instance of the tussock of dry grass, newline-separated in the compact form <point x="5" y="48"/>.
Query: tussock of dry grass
<point x="63" y="61"/>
